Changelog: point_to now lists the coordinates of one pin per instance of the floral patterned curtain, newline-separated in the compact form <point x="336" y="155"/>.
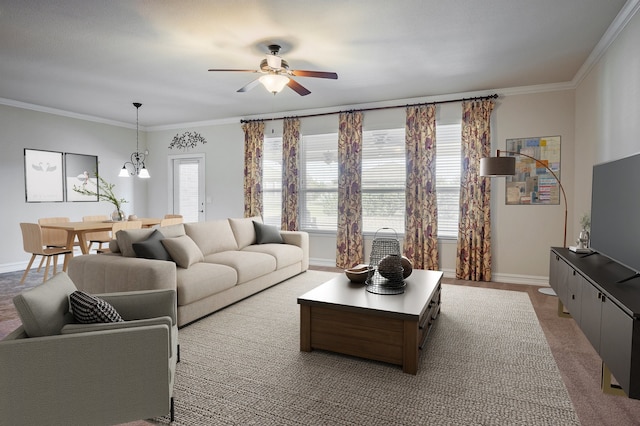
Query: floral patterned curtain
<point x="253" y="145"/>
<point x="421" y="217"/>
<point x="350" y="243"/>
<point x="290" y="145"/>
<point x="473" y="260"/>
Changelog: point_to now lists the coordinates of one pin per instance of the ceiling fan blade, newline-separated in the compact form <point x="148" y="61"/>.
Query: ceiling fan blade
<point x="234" y="70"/>
<point x="318" y="74"/>
<point x="298" y="88"/>
<point x="249" y="86"/>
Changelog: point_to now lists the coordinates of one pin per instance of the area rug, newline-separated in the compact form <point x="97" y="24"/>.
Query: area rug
<point x="486" y="363"/>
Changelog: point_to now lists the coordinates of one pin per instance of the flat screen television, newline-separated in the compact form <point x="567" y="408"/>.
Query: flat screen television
<point x="615" y="211"/>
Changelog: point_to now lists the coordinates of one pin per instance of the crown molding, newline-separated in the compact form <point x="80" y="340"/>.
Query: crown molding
<point x="63" y="113"/>
<point x="619" y="23"/>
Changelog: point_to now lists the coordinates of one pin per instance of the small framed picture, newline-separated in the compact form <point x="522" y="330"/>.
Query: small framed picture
<point x="80" y="172"/>
<point x="43" y="176"/>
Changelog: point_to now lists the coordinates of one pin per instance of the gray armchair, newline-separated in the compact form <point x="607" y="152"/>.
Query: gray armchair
<point x="53" y="371"/>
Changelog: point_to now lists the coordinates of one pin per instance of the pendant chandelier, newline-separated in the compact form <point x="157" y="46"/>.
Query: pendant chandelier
<point x="136" y="166"/>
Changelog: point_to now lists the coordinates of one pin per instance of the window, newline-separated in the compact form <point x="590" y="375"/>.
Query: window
<point x="448" y="152"/>
<point x="272" y="181"/>
<point x="319" y="182"/>
<point x="383" y="180"/>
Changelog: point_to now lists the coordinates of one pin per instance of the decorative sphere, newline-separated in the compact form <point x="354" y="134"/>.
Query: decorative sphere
<point x="407" y="267"/>
<point x="390" y="267"/>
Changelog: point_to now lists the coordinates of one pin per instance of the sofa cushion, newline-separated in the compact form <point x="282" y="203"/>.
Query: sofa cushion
<point x="88" y="309"/>
<point x="44" y="309"/>
<point x="152" y="247"/>
<point x="212" y="236"/>
<point x="285" y="254"/>
<point x="183" y="250"/>
<point x="248" y="265"/>
<point x="267" y="234"/>
<point x="243" y="230"/>
<point x="172" y="231"/>
<point x="126" y="238"/>
<point x="202" y="280"/>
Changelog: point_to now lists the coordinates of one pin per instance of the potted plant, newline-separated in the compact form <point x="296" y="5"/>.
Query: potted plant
<point x="583" y="238"/>
<point x="105" y="193"/>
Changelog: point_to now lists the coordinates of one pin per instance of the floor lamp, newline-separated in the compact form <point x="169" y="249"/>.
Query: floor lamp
<point x="506" y="166"/>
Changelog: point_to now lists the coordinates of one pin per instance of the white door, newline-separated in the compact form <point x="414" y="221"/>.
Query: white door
<point x="187" y="195"/>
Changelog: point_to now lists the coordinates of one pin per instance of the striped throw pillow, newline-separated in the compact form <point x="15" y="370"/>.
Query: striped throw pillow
<point x="89" y="309"/>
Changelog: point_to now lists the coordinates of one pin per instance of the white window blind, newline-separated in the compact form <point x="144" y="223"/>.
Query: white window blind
<point x="188" y="192"/>
<point x="448" y="152"/>
<point x="272" y="181"/>
<point x="319" y="182"/>
<point x="383" y="180"/>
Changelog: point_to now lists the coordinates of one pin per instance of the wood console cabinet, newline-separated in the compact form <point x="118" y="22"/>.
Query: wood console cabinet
<point x="605" y="306"/>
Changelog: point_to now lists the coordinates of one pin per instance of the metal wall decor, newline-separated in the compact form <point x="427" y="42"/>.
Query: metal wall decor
<point x="187" y="140"/>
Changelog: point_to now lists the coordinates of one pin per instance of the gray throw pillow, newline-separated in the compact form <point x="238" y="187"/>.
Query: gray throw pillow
<point x="266" y="234"/>
<point x="87" y="309"/>
<point x="152" y="247"/>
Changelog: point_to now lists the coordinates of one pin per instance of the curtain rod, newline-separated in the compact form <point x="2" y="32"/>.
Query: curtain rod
<point x="494" y="96"/>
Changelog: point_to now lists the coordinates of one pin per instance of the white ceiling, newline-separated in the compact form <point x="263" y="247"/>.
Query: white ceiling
<point x="96" y="57"/>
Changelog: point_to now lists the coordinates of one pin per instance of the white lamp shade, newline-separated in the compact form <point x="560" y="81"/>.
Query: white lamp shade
<point x="124" y="172"/>
<point x="143" y="173"/>
<point x="274" y="82"/>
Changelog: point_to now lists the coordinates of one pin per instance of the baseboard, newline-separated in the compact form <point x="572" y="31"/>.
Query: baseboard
<point x="13" y="267"/>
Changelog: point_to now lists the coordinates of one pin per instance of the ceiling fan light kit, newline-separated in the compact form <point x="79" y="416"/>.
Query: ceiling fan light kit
<point x="274" y="83"/>
<point x="277" y="74"/>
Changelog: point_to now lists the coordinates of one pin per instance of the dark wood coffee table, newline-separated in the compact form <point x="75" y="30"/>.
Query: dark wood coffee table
<point x="341" y="316"/>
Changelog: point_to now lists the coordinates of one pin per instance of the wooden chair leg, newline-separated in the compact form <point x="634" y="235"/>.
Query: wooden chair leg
<point x="55" y="264"/>
<point x="65" y="263"/>
<point x="41" y="263"/>
<point x="46" y="269"/>
<point x="26" y="271"/>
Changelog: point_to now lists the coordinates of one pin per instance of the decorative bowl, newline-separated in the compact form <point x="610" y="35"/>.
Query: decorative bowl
<point x="407" y="266"/>
<point x="358" y="274"/>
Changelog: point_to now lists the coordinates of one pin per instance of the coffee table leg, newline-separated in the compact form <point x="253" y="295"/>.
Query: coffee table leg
<point x="305" y="328"/>
<point x="410" y="347"/>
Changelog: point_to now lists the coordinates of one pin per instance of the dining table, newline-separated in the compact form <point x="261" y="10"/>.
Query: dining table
<point x="81" y="229"/>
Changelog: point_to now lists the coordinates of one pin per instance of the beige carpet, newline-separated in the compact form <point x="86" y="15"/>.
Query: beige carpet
<point x="486" y="363"/>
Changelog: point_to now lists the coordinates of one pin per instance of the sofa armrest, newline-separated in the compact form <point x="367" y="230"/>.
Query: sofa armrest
<point x="113" y="273"/>
<point x="102" y="326"/>
<point x="300" y="239"/>
<point x="135" y="305"/>
<point x="115" y="376"/>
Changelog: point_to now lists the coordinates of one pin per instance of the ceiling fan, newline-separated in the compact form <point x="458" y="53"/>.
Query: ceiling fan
<point x="276" y="74"/>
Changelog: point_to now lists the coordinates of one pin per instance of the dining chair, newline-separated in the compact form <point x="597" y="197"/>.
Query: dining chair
<point x="171" y="216"/>
<point x="53" y="238"/>
<point x="33" y="243"/>
<point x="126" y="224"/>
<point x="170" y="221"/>
<point x="101" y="237"/>
<point x="118" y="226"/>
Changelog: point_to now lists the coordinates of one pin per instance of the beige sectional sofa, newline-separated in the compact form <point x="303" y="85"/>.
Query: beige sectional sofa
<point x="214" y="263"/>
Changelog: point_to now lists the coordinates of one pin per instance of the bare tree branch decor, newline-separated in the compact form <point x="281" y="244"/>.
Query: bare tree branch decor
<point x="187" y="140"/>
